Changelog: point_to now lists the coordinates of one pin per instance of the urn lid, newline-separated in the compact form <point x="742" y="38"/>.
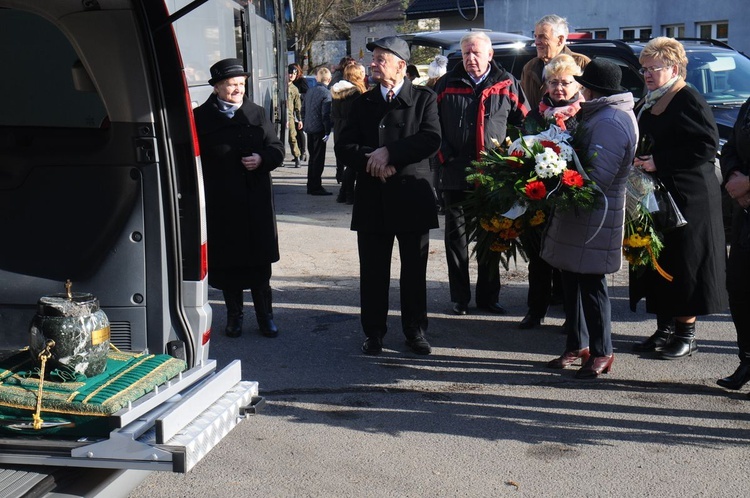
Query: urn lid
<point x="68" y="303"/>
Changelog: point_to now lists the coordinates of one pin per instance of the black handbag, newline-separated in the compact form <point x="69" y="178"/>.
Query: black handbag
<point x="668" y="217"/>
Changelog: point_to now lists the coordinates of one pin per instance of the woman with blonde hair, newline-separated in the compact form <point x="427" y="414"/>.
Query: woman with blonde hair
<point x="343" y="94"/>
<point x="679" y="140"/>
<point x="560" y="103"/>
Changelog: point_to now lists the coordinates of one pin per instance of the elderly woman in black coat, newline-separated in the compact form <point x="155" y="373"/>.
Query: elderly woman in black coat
<point x="239" y="149"/>
<point x="679" y="129"/>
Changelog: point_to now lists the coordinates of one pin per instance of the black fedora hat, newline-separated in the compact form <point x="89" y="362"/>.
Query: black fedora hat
<point x="225" y="69"/>
<point x="602" y="76"/>
<point x="392" y="44"/>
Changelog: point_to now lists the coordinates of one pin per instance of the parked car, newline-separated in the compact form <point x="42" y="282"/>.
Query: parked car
<point x="449" y="41"/>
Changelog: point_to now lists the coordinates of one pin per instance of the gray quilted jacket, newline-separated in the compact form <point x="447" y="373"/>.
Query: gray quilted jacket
<point x="571" y="242"/>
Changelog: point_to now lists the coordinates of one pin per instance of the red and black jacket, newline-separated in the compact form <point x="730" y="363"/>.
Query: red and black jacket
<point x="471" y="116"/>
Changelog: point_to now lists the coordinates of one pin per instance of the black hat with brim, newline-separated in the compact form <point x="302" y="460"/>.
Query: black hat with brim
<point x="392" y="44"/>
<point x="602" y="76"/>
<point x="225" y="69"/>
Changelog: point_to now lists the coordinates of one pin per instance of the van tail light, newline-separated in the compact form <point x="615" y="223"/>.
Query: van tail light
<point x="204" y="260"/>
<point x="206" y="336"/>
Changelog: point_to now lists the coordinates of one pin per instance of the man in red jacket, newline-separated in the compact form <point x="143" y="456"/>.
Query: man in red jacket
<point x="476" y="101"/>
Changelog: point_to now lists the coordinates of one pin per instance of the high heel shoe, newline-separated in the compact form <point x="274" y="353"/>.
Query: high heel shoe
<point x="568" y="358"/>
<point x="739" y="378"/>
<point x="596" y="366"/>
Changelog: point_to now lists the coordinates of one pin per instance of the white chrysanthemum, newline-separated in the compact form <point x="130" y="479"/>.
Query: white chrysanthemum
<point x="566" y="151"/>
<point x="548" y="163"/>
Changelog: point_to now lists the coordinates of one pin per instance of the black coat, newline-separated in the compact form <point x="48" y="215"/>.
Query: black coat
<point x="241" y="218"/>
<point x="410" y="129"/>
<point x="685" y="139"/>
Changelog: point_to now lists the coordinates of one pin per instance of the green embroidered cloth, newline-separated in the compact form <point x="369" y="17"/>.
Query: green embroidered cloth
<point x="84" y="403"/>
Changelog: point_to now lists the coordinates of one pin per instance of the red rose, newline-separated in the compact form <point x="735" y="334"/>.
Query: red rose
<point x="552" y="145"/>
<point x="517" y="153"/>
<point x="572" y="178"/>
<point x="536" y="190"/>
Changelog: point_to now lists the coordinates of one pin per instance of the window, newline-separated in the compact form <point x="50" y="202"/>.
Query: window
<point x="717" y="30"/>
<point x="598" y="34"/>
<point x="44" y="56"/>
<point x="674" y="30"/>
<point x="638" y="33"/>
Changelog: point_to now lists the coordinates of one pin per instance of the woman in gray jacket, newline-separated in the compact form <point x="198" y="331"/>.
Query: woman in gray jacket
<point x="586" y="246"/>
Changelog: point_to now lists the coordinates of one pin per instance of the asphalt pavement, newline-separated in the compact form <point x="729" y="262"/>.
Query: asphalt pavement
<point x="479" y="417"/>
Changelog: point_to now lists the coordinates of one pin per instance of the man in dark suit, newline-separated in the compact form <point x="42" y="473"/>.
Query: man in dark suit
<point x="389" y="143"/>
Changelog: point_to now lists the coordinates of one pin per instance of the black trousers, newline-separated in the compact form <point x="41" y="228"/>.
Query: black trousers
<point x="375" y="251"/>
<point x="540" y="275"/>
<point x="738" y="287"/>
<point x="316" y="162"/>
<point x="457" y="253"/>
<point x="588" y="313"/>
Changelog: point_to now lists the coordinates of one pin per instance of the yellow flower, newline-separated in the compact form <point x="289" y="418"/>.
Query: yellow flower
<point x="537" y="219"/>
<point x="636" y="240"/>
<point x="499" y="246"/>
<point x="503" y="224"/>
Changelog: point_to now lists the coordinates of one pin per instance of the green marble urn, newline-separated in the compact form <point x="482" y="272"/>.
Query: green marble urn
<point x="80" y="331"/>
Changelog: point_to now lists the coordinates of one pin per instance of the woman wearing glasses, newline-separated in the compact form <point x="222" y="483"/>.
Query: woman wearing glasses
<point x="679" y="140"/>
<point x="559" y="106"/>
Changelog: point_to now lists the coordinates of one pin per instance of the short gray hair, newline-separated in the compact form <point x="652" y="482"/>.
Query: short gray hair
<point x="476" y="35"/>
<point x="558" y="24"/>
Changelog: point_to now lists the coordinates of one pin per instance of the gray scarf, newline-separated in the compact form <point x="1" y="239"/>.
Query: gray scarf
<point x="653" y="96"/>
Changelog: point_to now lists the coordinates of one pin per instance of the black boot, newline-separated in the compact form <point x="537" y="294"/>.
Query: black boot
<point x="662" y="337"/>
<point x="264" y="312"/>
<point x="234" y="302"/>
<point x="682" y="344"/>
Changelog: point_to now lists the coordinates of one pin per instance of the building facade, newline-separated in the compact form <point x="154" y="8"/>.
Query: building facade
<point x="723" y="20"/>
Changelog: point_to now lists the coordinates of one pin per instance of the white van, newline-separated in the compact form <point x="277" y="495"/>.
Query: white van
<point x="100" y="184"/>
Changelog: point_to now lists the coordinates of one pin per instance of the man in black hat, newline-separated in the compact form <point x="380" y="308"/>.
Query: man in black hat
<point x="239" y="149"/>
<point x="395" y="132"/>
<point x="586" y="246"/>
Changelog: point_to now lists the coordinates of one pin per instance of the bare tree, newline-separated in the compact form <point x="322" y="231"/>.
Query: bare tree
<point x="312" y="18"/>
<point x="309" y="16"/>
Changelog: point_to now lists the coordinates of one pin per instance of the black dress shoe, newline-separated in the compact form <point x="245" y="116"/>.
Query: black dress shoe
<point x="530" y="321"/>
<point x="739" y="378"/>
<point x="493" y="308"/>
<point x="320" y="191"/>
<point x="419" y="345"/>
<point x="268" y="328"/>
<point x="460" y="309"/>
<point x="372" y="346"/>
<point x="234" y="325"/>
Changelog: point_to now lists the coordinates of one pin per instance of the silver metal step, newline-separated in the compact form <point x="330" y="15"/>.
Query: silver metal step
<point x="173" y="436"/>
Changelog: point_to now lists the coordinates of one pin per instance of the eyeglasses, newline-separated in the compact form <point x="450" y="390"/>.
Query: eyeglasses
<point x="652" y="69"/>
<point x="556" y="83"/>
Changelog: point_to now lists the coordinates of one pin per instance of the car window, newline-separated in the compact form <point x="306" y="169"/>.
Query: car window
<point x="45" y="67"/>
<point x="721" y="76"/>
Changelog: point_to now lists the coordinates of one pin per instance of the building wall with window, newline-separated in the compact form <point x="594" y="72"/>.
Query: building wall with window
<point x="724" y="20"/>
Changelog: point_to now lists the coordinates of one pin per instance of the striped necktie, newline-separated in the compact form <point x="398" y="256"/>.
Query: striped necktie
<point x="390" y="96"/>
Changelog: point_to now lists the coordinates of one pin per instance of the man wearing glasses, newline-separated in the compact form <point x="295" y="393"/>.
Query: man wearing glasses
<point x="550" y="37"/>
